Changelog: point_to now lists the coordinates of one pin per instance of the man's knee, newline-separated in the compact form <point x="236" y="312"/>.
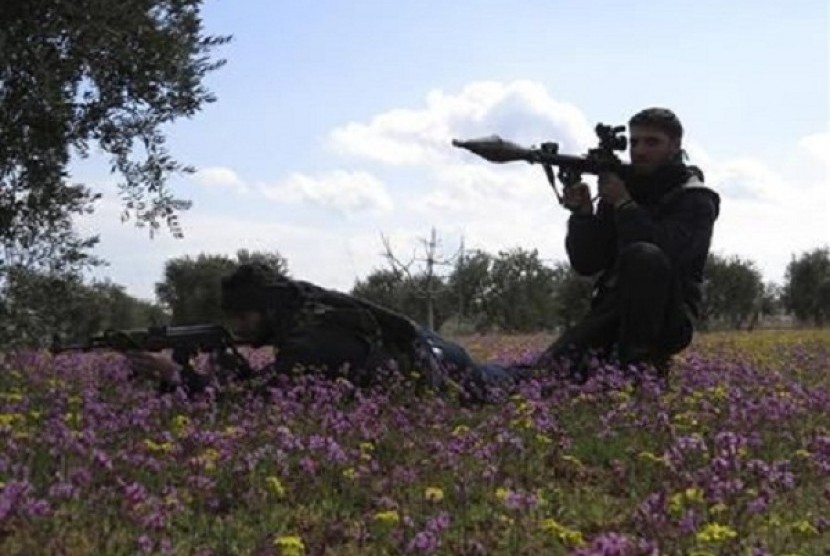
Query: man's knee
<point x="643" y="256"/>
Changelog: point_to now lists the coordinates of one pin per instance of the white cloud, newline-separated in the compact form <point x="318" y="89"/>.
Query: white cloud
<point x="459" y="181"/>
<point x="345" y="192"/>
<point x="748" y="179"/>
<point x="520" y="110"/>
<point x="817" y="145"/>
<point x="219" y="176"/>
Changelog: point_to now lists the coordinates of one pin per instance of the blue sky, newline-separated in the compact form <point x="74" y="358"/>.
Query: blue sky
<point x="333" y="122"/>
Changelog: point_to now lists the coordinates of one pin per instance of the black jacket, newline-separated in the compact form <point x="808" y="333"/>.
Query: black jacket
<point x="673" y="210"/>
<point x="325" y="330"/>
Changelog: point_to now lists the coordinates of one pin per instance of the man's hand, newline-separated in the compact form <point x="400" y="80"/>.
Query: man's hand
<point x="154" y="366"/>
<point x="577" y="199"/>
<point x="612" y="189"/>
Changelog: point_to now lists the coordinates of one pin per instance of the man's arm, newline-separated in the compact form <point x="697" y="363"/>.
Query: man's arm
<point x="168" y="374"/>
<point x="684" y="233"/>
<point x="590" y="242"/>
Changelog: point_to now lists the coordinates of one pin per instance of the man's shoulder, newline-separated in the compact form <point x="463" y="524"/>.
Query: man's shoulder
<point x="692" y="193"/>
<point x="326" y="307"/>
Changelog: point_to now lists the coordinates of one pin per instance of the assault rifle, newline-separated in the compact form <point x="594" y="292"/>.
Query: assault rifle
<point x="571" y="167"/>
<point x="185" y="342"/>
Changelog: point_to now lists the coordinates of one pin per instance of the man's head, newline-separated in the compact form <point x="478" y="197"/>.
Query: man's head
<point x="655" y="140"/>
<point x="248" y="299"/>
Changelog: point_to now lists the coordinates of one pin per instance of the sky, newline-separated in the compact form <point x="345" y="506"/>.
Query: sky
<point x="334" y="119"/>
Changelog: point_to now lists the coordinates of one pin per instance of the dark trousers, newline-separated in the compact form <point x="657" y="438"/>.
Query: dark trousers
<point x="639" y="318"/>
<point x="476" y="379"/>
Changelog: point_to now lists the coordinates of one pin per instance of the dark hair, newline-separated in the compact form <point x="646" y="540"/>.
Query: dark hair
<point x="250" y="287"/>
<point x="658" y="118"/>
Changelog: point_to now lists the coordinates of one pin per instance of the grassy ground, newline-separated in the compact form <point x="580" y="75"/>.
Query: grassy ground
<point x="733" y="457"/>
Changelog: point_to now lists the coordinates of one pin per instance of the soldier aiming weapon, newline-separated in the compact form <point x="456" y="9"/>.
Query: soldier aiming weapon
<point x="645" y="242"/>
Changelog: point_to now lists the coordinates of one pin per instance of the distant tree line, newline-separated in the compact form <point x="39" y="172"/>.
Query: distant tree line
<point x="510" y="291"/>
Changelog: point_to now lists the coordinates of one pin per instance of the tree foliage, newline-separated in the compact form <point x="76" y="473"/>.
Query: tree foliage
<point x="382" y="287"/>
<point x="405" y="294"/>
<point x="807" y="286"/>
<point x="191" y="287"/>
<point x="468" y="287"/>
<point x="108" y="73"/>
<point x="733" y="291"/>
<point x="572" y="295"/>
<point x="520" y="292"/>
<point x="38" y="307"/>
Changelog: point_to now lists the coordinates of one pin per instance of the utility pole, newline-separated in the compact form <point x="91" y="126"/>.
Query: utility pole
<point x="431" y="260"/>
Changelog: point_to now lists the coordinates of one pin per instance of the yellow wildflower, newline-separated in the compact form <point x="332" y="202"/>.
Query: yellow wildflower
<point x="233" y="432"/>
<point x="162" y="448"/>
<point x="350" y="473"/>
<point x="676" y="503"/>
<point x="718" y="508"/>
<point x="180" y="423"/>
<point x="10" y="419"/>
<point x="209" y="458"/>
<point x="805" y="527"/>
<point x="388" y="516"/>
<point x="719" y="392"/>
<point x="650" y="456"/>
<point x="434" y="494"/>
<point x="715" y="532"/>
<point x="275" y="485"/>
<point x="685" y="420"/>
<point x="802" y="453"/>
<point x="14" y="396"/>
<point x="694" y="495"/>
<point x="366" y="449"/>
<point x="460" y="429"/>
<point x="574" y="460"/>
<point x="502" y="493"/>
<point x="543" y="439"/>
<point x="522" y="423"/>
<point x="679" y="500"/>
<point x="290" y="545"/>
<point x="566" y="535"/>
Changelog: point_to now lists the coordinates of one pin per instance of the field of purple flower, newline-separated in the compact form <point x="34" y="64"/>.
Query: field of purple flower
<point x="732" y="457"/>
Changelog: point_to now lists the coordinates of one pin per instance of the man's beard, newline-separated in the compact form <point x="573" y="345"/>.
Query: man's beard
<point x="648" y="186"/>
